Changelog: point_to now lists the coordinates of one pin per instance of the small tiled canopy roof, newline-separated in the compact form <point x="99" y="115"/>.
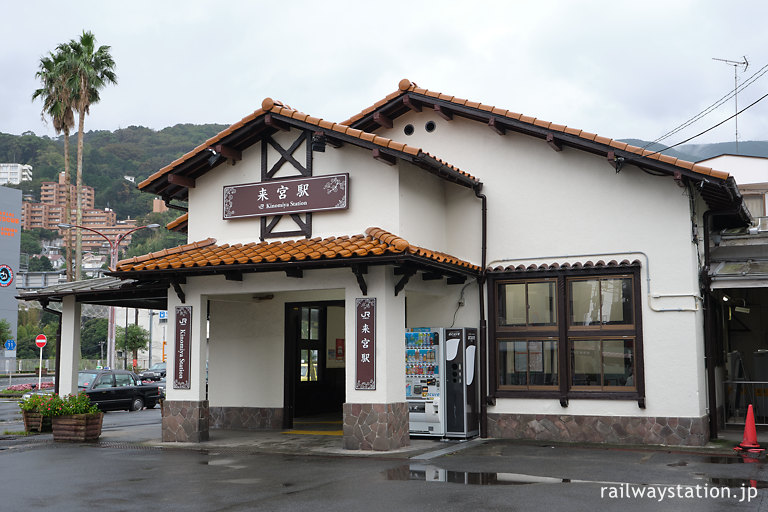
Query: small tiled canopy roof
<point x="541" y="267"/>
<point x="717" y="188"/>
<point x="376" y="246"/>
<point x="274" y="115"/>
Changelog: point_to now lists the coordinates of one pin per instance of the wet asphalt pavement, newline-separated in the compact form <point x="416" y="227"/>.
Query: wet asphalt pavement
<point x="130" y="469"/>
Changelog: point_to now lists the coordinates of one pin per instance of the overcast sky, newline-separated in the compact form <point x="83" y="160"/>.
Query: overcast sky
<point x="620" y="69"/>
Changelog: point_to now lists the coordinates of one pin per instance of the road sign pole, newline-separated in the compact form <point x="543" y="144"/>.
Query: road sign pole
<point x="40" y="341"/>
<point x="40" y="371"/>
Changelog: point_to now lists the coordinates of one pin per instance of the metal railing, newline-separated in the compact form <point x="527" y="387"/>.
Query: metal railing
<point x="31" y="365"/>
<point x="739" y="394"/>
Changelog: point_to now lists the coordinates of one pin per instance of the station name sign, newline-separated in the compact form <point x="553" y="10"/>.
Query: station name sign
<point x="280" y="197"/>
<point x="181" y="377"/>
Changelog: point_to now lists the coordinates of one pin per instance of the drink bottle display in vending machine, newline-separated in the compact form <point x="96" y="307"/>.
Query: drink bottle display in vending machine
<point x="423" y="380"/>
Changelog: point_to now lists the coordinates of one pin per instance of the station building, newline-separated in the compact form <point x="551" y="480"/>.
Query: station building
<point x="581" y="260"/>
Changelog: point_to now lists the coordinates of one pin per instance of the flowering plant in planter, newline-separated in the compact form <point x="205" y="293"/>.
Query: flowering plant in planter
<point x="79" y="404"/>
<point x="54" y="405"/>
<point x="32" y="404"/>
<point x="31" y="411"/>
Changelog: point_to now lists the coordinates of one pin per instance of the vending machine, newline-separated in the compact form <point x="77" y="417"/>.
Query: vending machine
<point x="441" y="382"/>
<point x="424" y="381"/>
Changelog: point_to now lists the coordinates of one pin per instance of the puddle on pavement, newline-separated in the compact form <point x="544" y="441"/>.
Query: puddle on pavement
<point x="426" y="473"/>
<point x="737" y="482"/>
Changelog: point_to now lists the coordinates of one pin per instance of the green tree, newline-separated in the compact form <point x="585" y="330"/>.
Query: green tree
<point x="29" y="243"/>
<point x="5" y="330"/>
<point x="57" y="96"/>
<point x="41" y="264"/>
<point x="145" y="241"/>
<point x="136" y="339"/>
<point x="88" y="70"/>
<point x="32" y="322"/>
<point x="93" y="338"/>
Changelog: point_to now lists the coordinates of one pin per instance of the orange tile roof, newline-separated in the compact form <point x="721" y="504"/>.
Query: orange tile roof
<point x="206" y="253"/>
<point x="276" y="107"/>
<point x="405" y="86"/>
<point x="179" y="223"/>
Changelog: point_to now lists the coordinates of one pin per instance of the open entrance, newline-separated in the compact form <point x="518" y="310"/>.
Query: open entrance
<point x="743" y="343"/>
<point x="314" y="361"/>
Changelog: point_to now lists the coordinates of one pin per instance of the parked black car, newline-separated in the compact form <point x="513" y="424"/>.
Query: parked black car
<point x="117" y="389"/>
<point x="154" y="372"/>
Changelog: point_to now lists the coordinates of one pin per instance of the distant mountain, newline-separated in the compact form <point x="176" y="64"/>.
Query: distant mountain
<point x="697" y="152"/>
<point x="137" y="152"/>
<point x="109" y="157"/>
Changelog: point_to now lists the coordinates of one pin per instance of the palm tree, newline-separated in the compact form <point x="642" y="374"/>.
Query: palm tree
<point x="88" y="70"/>
<point x="57" y="104"/>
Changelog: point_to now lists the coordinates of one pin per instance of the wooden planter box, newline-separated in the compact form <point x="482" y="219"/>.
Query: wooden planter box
<point x="77" y="427"/>
<point x="36" y="422"/>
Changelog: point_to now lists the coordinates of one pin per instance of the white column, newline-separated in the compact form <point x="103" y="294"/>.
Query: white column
<point x="69" y="355"/>
<point x="390" y="336"/>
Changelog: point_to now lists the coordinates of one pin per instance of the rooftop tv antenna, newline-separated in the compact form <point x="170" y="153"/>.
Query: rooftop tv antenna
<point x="736" y="65"/>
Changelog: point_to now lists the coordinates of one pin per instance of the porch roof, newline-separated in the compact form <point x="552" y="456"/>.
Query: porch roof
<point x="107" y="291"/>
<point x="375" y="247"/>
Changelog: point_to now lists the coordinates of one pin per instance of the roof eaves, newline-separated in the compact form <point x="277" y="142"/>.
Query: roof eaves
<point x="535" y="126"/>
<point x="202" y="147"/>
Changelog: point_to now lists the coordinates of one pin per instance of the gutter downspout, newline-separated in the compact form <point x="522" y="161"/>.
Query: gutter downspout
<point x="484" y="399"/>
<point x="57" y="370"/>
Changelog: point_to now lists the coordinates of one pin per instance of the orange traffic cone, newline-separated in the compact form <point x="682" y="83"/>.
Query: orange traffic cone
<point x="750" y="433"/>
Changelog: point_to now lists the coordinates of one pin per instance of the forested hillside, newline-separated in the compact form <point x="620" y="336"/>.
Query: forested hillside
<point x="109" y="156"/>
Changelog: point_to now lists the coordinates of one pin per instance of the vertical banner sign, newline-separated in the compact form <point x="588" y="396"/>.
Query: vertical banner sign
<point x="182" y="350"/>
<point x="365" y="343"/>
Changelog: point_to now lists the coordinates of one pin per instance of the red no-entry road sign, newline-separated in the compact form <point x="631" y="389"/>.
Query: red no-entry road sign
<point x="41" y="340"/>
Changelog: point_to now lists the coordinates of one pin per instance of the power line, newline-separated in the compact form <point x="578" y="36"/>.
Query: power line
<point x="759" y="73"/>
<point x="711" y="128"/>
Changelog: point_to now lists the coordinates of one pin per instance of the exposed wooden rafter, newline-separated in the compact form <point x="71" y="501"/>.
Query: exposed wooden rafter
<point x="270" y="121"/>
<point x="182" y="181"/>
<point x="554" y="144"/>
<point x="382" y="120"/>
<point x="407" y="273"/>
<point x="294" y="272"/>
<point x="496" y="126"/>
<point x="444" y="112"/>
<point x="412" y="104"/>
<point x="233" y="154"/>
<point x="179" y="292"/>
<point x="360" y="271"/>
<point x="383" y="157"/>
<point x="233" y="276"/>
<point x="679" y="179"/>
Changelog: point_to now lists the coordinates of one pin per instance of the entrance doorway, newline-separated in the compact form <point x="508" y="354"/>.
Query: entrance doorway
<point x="314" y="360"/>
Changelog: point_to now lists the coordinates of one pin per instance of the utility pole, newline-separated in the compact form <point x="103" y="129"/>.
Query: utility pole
<point x="736" y="65"/>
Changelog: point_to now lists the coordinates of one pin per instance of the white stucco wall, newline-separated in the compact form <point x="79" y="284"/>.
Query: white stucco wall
<point x="373" y="196"/>
<point x="547" y="206"/>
